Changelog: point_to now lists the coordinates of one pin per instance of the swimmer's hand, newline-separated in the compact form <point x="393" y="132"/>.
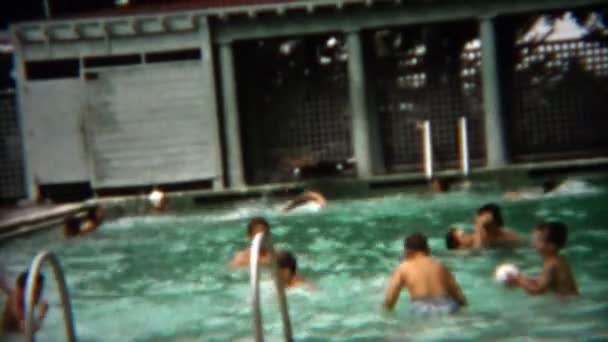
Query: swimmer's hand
<point x="512" y="280"/>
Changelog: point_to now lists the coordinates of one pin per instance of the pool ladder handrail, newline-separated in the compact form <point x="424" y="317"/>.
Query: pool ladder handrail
<point x="34" y="270"/>
<point x="260" y="240"/>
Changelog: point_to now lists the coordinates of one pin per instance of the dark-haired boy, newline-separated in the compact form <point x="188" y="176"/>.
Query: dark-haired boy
<point x="490" y="230"/>
<point x="241" y="259"/>
<point x="13" y="315"/>
<point x="549" y="239"/>
<point x="432" y="287"/>
<point x="287" y="265"/>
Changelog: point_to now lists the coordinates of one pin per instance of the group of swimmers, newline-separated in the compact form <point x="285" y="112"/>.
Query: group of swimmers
<point x="431" y="285"/>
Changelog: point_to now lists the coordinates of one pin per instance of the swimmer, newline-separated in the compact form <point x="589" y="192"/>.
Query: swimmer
<point x="549" y="239"/>
<point x="158" y="200"/>
<point x="287" y="265"/>
<point x="71" y="227"/>
<point x="550" y="187"/>
<point x="459" y="239"/>
<point x="93" y="220"/>
<point x="439" y="185"/>
<point x="305" y="199"/>
<point x="255" y="226"/>
<point x="4" y="288"/>
<point x="13" y="316"/>
<point x="432" y="287"/>
<point x="490" y="230"/>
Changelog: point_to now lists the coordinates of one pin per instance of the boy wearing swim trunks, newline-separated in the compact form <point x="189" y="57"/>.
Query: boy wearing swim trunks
<point x="549" y="239"/>
<point x="255" y="226"/>
<point x="432" y="287"/>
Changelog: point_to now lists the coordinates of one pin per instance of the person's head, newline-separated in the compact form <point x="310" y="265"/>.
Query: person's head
<point x="38" y="283"/>
<point x="416" y="243"/>
<point x="550" y="237"/>
<point x="95" y="214"/>
<point x="257" y="225"/>
<point x="452" y="240"/>
<point x="489" y="217"/>
<point x="71" y="226"/>
<point x="287" y="264"/>
<point x="550" y="185"/>
<point x="439" y="185"/>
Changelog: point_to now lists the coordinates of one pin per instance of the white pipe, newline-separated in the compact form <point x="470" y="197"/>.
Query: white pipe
<point x="427" y="149"/>
<point x="463" y="139"/>
<point x="68" y="317"/>
<point x="254" y="267"/>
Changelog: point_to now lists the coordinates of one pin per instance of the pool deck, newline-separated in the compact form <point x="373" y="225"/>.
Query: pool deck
<point x="20" y="220"/>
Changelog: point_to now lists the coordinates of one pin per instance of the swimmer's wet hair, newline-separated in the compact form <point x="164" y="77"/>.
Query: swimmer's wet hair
<point x="92" y="213"/>
<point x="71" y="226"/>
<point x="286" y="259"/>
<point x="257" y="221"/>
<point x="416" y="242"/>
<point x="554" y="232"/>
<point x="494" y="210"/>
<point x="450" y="240"/>
<point x="550" y="185"/>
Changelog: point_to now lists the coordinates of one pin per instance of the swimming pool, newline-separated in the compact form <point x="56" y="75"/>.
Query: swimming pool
<point x="165" y="278"/>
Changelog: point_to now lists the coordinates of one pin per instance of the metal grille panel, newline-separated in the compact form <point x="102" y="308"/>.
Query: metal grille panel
<point x="430" y="72"/>
<point x="558" y="90"/>
<point x="12" y="180"/>
<point x="294" y="107"/>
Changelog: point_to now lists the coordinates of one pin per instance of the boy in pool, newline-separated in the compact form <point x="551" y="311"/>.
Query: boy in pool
<point x="13" y="316"/>
<point x="305" y="198"/>
<point x="549" y="239"/>
<point x="489" y="231"/>
<point x="255" y="226"/>
<point x="71" y="227"/>
<point x="432" y="287"/>
<point x="93" y="221"/>
<point x="288" y="270"/>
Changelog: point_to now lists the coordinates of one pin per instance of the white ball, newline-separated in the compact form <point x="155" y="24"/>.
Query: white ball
<point x="504" y="271"/>
<point x="156" y="197"/>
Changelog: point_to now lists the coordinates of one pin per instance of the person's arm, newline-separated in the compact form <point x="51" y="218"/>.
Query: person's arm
<point x="4" y="288"/>
<point x="454" y="290"/>
<point x="393" y="291"/>
<point x="466" y="240"/>
<point x="533" y="285"/>
<point x="240" y="259"/>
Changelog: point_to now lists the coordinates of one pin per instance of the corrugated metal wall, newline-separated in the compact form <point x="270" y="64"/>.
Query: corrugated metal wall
<point x="151" y="124"/>
<point x="53" y="111"/>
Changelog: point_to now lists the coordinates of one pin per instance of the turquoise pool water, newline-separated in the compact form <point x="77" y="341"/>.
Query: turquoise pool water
<point x="165" y="278"/>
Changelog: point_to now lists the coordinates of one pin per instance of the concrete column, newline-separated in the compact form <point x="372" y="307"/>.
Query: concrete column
<point x="492" y="102"/>
<point x="232" y="130"/>
<point x="366" y="142"/>
<point x="31" y="184"/>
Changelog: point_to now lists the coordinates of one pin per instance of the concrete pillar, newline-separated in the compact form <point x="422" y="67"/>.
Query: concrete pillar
<point x="492" y="102"/>
<point x="365" y="135"/>
<point x="232" y="132"/>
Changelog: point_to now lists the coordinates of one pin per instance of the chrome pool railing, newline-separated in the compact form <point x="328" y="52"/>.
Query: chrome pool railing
<point x="34" y="270"/>
<point x="463" y="141"/>
<point x="258" y="242"/>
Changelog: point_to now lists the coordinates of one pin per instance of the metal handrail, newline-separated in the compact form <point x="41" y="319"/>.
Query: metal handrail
<point x="34" y="270"/>
<point x="463" y="140"/>
<point x="260" y="240"/>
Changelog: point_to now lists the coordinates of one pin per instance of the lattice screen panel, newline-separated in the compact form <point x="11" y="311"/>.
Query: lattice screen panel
<point x="429" y="72"/>
<point x="11" y="155"/>
<point x="294" y="106"/>
<point x="558" y="90"/>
